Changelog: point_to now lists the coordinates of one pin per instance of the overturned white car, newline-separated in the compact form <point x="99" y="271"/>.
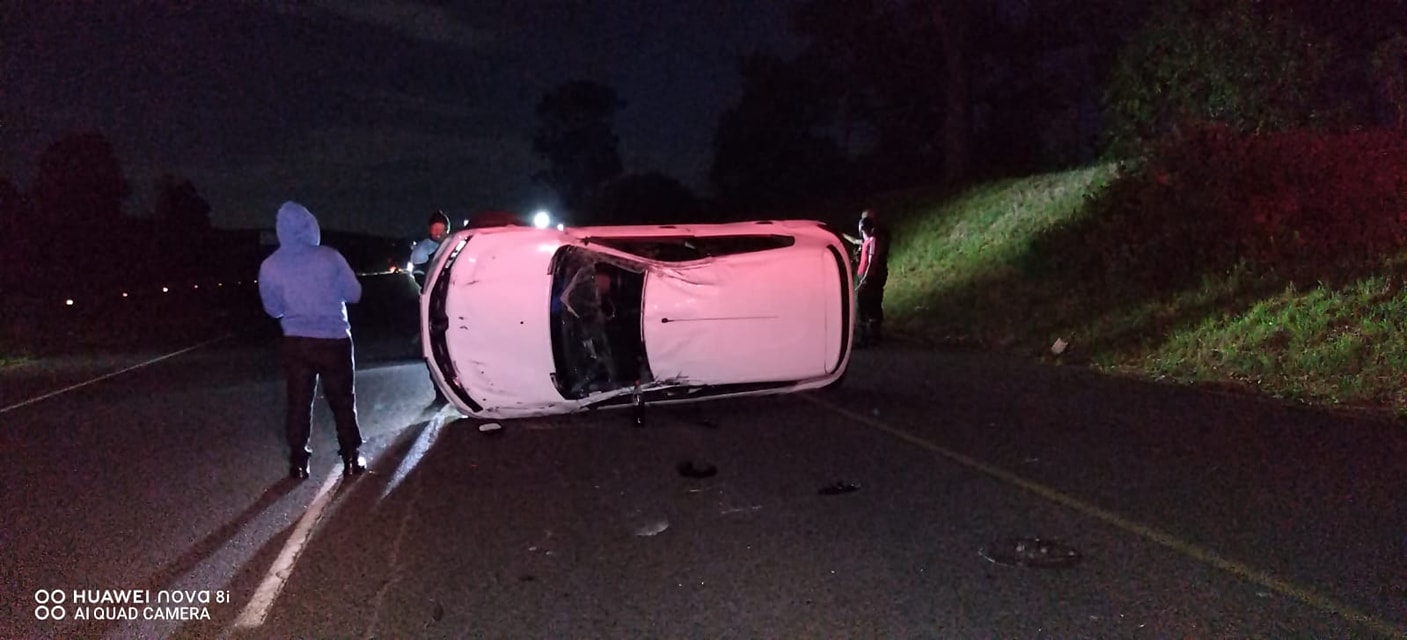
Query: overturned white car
<point x="520" y="321"/>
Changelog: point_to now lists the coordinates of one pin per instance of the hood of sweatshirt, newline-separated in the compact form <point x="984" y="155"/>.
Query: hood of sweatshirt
<point x="296" y="227"/>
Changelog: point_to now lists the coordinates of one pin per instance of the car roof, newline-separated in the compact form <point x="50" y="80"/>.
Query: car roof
<point x="798" y="228"/>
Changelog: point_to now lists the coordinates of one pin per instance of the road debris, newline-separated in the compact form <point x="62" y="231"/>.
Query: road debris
<point x="838" y="488"/>
<point x="1032" y="553"/>
<point x="491" y="428"/>
<point x="691" y="469"/>
<point x="697" y="418"/>
<point x="637" y="407"/>
<point x="652" y="528"/>
<point x="542" y="544"/>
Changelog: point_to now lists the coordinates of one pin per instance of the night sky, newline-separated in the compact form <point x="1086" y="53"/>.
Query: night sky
<point x="371" y="112"/>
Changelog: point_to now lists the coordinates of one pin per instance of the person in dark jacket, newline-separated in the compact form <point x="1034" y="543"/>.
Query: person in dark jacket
<point x="871" y="274"/>
<point x="307" y="287"/>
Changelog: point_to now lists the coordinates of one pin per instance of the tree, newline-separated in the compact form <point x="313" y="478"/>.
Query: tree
<point x="14" y="218"/>
<point x="645" y="198"/>
<point x="933" y="81"/>
<point x="180" y="206"/>
<point x="774" y="147"/>
<point x="180" y="223"/>
<point x="575" y="135"/>
<point x="79" y="191"/>
<point x="17" y="234"/>
<point x="79" y="180"/>
<point x="1390" y="72"/>
<point x="956" y="127"/>
<point x="1366" y="36"/>
<point x="1251" y="67"/>
<point x="886" y="84"/>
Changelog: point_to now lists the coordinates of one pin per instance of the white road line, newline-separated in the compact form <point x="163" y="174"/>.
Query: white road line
<point x="98" y="379"/>
<point x="258" y="608"/>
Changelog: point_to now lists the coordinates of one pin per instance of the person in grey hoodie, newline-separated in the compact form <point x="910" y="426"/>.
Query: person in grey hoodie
<point x="307" y="287"/>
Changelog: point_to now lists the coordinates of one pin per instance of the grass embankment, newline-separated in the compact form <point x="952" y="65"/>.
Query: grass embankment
<point x="1004" y="267"/>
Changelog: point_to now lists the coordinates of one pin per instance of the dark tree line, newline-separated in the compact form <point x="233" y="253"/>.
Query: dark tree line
<point x="576" y="137"/>
<point x="70" y="229"/>
<point x="883" y="94"/>
<point x="895" y="93"/>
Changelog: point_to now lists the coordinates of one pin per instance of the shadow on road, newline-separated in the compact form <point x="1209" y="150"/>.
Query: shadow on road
<point x="168" y="576"/>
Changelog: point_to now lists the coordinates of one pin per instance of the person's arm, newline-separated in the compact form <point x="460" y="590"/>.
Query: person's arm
<point x="347" y="283"/>
<point x="271" y="295"/>
<point x="422" y="252"/>
<point x="865" y="250"/>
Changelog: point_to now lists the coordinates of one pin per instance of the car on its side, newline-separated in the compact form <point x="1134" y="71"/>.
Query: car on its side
<point x="520" y="321"/>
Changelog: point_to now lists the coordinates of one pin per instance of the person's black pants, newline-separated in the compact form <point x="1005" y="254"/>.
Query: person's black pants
<point x="869" y="299"/>
<point x="305" y="360"/>
<point x="869" y="302"/>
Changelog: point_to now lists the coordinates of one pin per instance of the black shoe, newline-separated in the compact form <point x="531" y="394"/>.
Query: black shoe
<point x="298" y="470"/>
<point x="353" y="465"/>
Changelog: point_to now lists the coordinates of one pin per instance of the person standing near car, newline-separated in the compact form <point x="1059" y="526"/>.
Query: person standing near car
<point x="420" y="258"/>
<point x="307" y="287"/>
<point x="871" y="274"/>
<point x="425" y="250"/>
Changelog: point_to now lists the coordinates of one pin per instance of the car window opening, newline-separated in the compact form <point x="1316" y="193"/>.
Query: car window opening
<point x="690" y="248"/>
<point x="596" y="306"/>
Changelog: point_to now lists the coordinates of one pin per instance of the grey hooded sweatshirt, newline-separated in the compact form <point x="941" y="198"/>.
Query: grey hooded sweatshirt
<point x="305" y="285"/>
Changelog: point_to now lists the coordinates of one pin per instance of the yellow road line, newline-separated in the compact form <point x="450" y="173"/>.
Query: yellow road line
<point x="1318" y="601"/>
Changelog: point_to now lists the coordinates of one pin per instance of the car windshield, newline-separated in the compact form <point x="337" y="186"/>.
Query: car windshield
<point x="597" y="345"/>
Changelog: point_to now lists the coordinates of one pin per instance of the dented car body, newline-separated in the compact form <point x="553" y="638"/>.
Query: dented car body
<point x="520" y="321"/>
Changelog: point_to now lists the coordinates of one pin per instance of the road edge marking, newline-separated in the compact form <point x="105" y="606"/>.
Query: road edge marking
<point x="139" y="365"/>
<point x="1305" y="595"/>
<point x="259" y="605"/>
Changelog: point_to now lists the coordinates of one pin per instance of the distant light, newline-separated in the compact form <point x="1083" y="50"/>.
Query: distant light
<point x="69" y="302"/>
<point x="219" y="284"/>
<point x="197" y="286"/>
<point x="124" y="294"/>
<point x="541" y="219"/>
<point x="165" y="290"/>
<point x="561" y="227"/>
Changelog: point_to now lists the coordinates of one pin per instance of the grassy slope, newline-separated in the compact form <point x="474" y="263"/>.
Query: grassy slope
<point x="968" y="269"/>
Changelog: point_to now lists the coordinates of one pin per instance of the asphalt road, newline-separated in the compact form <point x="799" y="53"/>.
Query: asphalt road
<point x="862" y="511"/>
